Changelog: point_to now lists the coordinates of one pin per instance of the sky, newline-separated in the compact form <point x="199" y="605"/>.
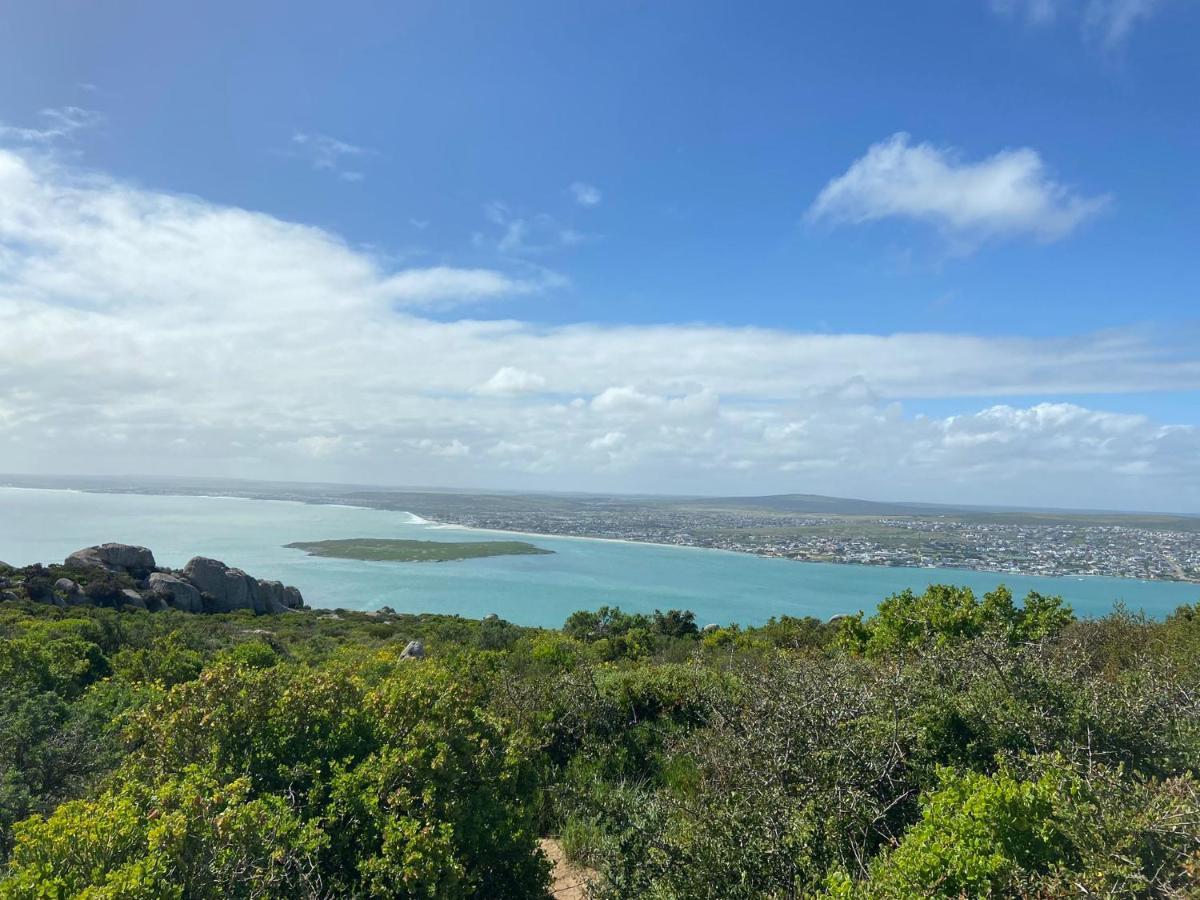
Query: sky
<point x="940" y="251"/>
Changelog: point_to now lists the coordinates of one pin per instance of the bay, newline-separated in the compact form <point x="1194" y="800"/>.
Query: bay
<point x="46" y="525"/>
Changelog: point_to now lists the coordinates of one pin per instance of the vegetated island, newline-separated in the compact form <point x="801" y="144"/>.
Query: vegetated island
<point x="384" y="550"/>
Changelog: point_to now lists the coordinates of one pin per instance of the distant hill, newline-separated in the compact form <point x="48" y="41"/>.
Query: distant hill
<point x="816" y="504"/>
<point x="452" y="503"/>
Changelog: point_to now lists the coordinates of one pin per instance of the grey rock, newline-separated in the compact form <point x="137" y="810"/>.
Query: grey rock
<point x="837" y="618"/>
<point x="275" y="597"/>
<point x="710" y="628"/>
<point x="231" y="589"/>
<point x="133" y="598"/>
<point x="66" y="586"/>
<point x="491" y="617"/>
<point x="413" y="650"/>
<point x="8" y="595"/>
<point x="155" y="602"/>
<point x="113" y="558"/>
<point x="386" y="611"/>
<point x="173" y="591"/>
<point x="5" y="582"/>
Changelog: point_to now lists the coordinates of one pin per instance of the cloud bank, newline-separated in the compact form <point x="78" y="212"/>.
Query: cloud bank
<point x="153" y="333"/>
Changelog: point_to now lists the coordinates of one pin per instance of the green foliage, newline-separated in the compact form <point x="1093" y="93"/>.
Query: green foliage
<point x="1049" y="831"/>
<point x="977" y="834"/>
<point x="167" y="662"/>
<point x="251" y="654"/>
<point x="188" y="836"/>
<point x="946" y="745"/>
<point x="676" y="623"/>
<point x="439" y="808"/>
<point x="945" y="615"/>
<point x="791" y="633"/>
<point x="607" y="622"/>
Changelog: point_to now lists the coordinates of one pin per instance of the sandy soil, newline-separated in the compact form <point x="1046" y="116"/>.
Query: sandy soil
<point x="570" y="882"/>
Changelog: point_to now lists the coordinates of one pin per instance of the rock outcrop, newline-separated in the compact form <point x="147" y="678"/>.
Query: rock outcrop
<point x="123" y="575"/>
<point x="277" y="596"/>
<point x="133" y="598"/>
<point x="118" y="558"/>
<point x="173" y="591"/>
<point x="228" y="589"/>
<point x="413" y="650"/>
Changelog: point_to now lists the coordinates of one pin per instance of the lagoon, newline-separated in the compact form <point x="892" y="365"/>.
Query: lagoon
<point x="46" y="525"/>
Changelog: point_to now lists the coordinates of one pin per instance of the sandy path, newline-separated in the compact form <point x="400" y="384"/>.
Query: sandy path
<point x="570" y="882"/>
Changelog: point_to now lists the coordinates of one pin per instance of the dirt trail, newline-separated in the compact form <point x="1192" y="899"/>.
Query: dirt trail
<point x="570" y="882"/>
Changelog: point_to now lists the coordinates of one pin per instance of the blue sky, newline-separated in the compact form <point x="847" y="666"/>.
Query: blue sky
<point x="1016" y="173"/>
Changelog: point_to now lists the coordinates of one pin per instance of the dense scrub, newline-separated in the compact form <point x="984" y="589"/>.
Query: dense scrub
<point x="945" y="745"/>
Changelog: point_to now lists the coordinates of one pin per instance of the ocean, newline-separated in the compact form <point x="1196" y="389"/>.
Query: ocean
<point x="719" y="586"/>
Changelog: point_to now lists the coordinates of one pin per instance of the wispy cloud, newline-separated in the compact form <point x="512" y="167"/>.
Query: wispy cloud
<point x="1008" y="193"/>
<point x="57" y="123"/>
<point x="328" y="154"/>
<point x="526" y="234"/>
<point x="586" y="194"/>
<point x="1105" y="22"/>
<point x="1111" y="21"/>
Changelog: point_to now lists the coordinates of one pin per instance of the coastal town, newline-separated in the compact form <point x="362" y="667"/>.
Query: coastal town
<point x="938" y="542"/>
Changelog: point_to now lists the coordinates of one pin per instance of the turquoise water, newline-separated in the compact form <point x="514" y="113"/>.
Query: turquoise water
<point x="44" y="526"/>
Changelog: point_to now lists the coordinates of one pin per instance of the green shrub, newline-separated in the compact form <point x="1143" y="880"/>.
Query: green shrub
<point x="944" y="614"/>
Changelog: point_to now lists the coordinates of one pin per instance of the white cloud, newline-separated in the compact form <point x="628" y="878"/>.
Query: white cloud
<point x="511" y="380"/>
<point x="440" y="284"/>
<point x="329" y="154"/>
<point x="320" y="446"/>
<point x="162" y="334"/>
<point x="586" y="194"/>
<point x="60" y="122"/>
<point x="1006" y="194"/>
<point x="1107" y="22"/>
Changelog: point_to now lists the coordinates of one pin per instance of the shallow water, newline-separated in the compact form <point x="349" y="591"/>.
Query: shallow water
<point x="45" y="526"/>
